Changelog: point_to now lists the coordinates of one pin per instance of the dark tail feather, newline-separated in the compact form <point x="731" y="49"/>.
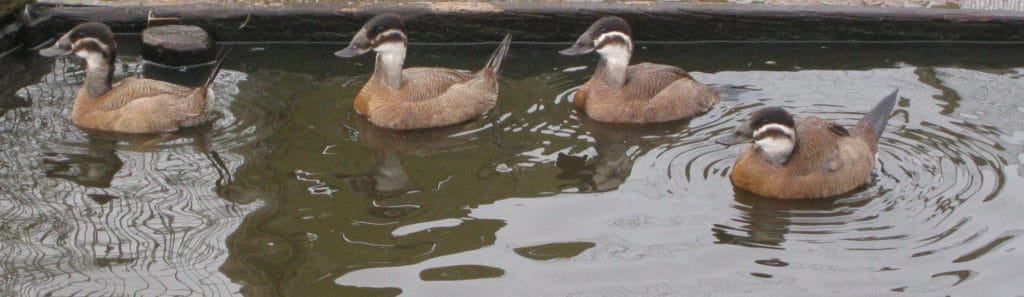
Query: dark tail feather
<point x="875" y="119"/>
<point x="221" y="56"/>
<point x="494" y="64"/>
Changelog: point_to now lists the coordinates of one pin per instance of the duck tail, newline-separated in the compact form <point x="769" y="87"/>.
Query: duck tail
<point x="221" y="56"/>
<point x="876" y="119"/>
<point x="494" y="64"/>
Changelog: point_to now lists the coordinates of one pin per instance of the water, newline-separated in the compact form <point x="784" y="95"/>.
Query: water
<point x="292" y="194"/>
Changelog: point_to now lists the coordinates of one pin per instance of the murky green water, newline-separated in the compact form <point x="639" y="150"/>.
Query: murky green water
<point x="291" y="193"/>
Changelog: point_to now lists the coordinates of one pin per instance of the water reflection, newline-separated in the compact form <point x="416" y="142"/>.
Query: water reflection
<point x="766" y="223"/>
<point x="389" y="177"/>
<point x="614" y="149"/>
<point x="96" y="168"/>
<point x="291" y="193"/>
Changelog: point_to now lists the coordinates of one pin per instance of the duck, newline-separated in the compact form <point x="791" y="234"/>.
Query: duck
<point x="634" y="94"/>
<point x="132" y="105"/>
<point x="418" y="97"/>
<point x="806" y="158"/>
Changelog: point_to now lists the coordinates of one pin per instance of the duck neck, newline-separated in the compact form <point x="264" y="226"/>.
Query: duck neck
<point x="388" y="68"/>
<point x="99" y="71"/>
<point x="614" y="61"/>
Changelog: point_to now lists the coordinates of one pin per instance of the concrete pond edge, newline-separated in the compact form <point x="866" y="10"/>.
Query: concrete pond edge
<point x="540" y="22"/>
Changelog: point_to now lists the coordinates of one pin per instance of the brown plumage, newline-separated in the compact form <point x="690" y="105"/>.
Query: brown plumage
<point x="827" y="159"/>
<point x="418" y="98"/>
<point x="427" y="98"/>
<point x="137" y="105"/>
<point x="652" y="93"/>
<point x="824" y="164"/>
<point x="642" y="93"/>
<point x="133" y="105"/>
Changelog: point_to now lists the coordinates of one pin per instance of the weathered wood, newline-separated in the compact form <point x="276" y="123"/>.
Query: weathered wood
<point x="554" y="22"/>
<point x="177" y="45"/>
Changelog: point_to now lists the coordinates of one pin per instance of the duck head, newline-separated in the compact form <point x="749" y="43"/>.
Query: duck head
<point x="771" y="129"/>
<point x="383" y="33"/>
<point x="92" y="41"/>
<point x="610" y="37"/>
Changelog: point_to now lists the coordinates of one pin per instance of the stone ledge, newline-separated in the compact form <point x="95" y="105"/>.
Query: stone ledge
<point x="551" y="21"/>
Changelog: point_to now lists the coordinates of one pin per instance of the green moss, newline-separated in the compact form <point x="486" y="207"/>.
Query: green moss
<point x="10" y="6"/>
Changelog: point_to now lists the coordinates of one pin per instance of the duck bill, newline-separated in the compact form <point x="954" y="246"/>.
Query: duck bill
<point x="740" y="135"/>
<point x="583" y="45"/>
<point x="731" y="140"/>
<point x="359" y="45"/>
<point x="60" y="48"/>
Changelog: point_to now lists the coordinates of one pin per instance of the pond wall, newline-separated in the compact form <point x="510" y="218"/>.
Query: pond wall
<point x="10" y="24"/>
<point x="548" y="22"/>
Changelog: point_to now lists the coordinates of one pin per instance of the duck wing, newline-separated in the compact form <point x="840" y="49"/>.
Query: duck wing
<point x="665" y="93"/>
<point x="131" y="89"/>
<point x="425" y="83"/>
<point x="818" y="147"/>
<point x="437" y="98"/>
<point x="645" y="80"/>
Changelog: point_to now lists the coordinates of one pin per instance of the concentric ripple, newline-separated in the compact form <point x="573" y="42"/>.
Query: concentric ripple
<point x="293" y="193"/>
<point x="931" y="167"/>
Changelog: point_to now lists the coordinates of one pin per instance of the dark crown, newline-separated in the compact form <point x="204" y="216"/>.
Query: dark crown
<point x="94" y="30"/>
<point x="382" y="23"/>
<point x="611" y="24"/>
<point x="771" y="115"/>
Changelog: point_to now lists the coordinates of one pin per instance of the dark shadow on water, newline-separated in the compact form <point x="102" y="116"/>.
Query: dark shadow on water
<point x="764" y="222"/>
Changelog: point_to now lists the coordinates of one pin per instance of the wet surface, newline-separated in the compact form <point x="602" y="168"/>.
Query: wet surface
<point x="291" y="193"/>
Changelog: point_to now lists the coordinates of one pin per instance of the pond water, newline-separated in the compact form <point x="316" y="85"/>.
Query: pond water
<point x="291" y="193"/>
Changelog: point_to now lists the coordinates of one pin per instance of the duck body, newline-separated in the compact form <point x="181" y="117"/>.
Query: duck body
<point x="807" y="158"/>
<point x="133" y="105"/>
<point x="651" y="93"/>
<point x="136" y="105"/>
<point x="420" y="97"/>
<point x="634" y="94"/>
<point x="426" y="98"/>
<point x="823" y="164"/>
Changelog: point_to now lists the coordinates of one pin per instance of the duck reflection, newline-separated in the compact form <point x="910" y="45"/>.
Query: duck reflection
<point x="389" y="177"/>
<point x="97" y="166"/>
<point x="94" y="168"/>
<point x="389" y="215"/>
<point x="768" y="223"/>
<point x="617" y="147"/>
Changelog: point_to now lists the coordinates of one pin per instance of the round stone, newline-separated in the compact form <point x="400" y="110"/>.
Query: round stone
<point x="177" y="45"/>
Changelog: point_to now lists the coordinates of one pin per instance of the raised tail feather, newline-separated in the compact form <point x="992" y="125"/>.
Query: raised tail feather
<point x="876" y="118"/>
<point x="196" y="103"/>
<point x="221" y="56"/>
<point x="494" y="64"/>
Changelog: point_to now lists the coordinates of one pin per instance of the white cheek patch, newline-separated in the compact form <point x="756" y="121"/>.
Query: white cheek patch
<point x="391" y="53"/>
<point x="615" y="54"/>
<point x="95" y="41"/>
<point x="775" y="148"/>
<point x="387" y="33"/>
<point x="620" y="35"/>
<point x="787" y="130"/>
<point x="775" y="145"/>
<point x="93" y="60"/>
<point x="391" y="48"/>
